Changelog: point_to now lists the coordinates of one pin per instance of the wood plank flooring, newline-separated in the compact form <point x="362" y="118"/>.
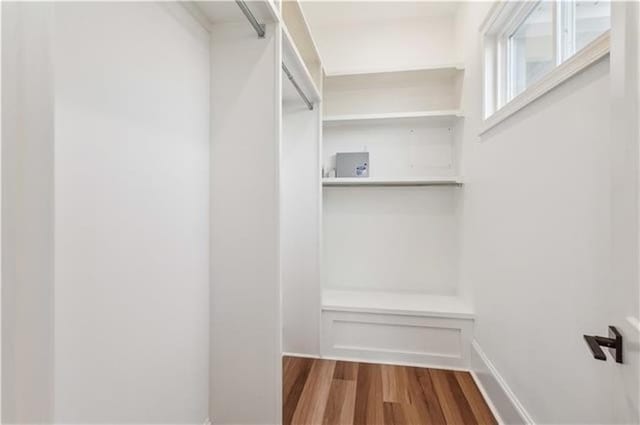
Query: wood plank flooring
<point x="327" y="392"/>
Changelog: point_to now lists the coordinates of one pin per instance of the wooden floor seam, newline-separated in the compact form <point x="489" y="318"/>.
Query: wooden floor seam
<point x="330" y="392"/>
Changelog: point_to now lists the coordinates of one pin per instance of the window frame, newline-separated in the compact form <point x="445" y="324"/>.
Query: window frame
<point x="502" y="22"/>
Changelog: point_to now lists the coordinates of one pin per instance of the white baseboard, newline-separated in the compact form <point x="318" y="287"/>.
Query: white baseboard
<point x="502" y="401"/>
<point x="487" y="399"/>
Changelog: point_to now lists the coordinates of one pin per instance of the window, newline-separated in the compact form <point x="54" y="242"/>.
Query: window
<point x="589" y="19"/>
<point x="531" y="47"/>
<point x="531" y="51"/>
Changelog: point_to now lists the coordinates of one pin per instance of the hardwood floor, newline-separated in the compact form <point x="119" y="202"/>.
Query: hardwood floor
<point x="327" y="392"/>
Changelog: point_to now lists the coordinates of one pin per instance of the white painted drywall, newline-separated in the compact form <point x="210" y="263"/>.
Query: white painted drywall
<point x="397" y="148"/>
<point x="300" y="244"/>
<point x="385" y="44"/>
<point x="536" y="239"/>
<point x="391" y="238"/>
<point x="246" y="326"/>
<point x="27" y="213"/>
<point x="0" y="213"/>
<point x="131" y="214"/>
<point x="432" y="90"/>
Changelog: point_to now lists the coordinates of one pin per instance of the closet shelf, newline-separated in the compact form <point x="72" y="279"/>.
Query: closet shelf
<point x="402" y="181"/>
<point x="401" y="303"/>
<point x="393" y="116"/>
<point x="453" y="67"/>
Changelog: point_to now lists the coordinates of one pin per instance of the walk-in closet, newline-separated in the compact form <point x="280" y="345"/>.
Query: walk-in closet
<point x="318" y="212"/>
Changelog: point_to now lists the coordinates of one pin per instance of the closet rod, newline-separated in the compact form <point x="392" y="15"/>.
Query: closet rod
<point x="304" y="97"/>
<point x="260" y="28"/>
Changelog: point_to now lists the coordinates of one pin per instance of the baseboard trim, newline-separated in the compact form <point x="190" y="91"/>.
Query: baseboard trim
<point x="501" y="399"/>
<point x="487" y="399"/>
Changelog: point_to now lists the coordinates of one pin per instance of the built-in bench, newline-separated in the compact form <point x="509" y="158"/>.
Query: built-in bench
<point x="397" y="327"/>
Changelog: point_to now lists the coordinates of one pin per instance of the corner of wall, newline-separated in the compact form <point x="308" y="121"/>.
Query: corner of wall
<point x="27" y="194"/>
<point x="503" y="402"/>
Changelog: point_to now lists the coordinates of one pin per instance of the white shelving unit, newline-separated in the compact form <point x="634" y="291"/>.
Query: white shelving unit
<point x="406" y="120"/>
<point x="390" y="252"/>
<point x="404" y="181"/>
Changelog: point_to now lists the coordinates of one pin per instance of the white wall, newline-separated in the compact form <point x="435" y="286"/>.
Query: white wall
<point x="246" y="343"/>
<point x="397" y="148"/>
<point x="418" y="90"/>
<point x="398" y="44"/>
<point x="27" y="214"/>
<point x="625" y="155"/>
<point x="391" y="238"/>
<point x="131" y="214"/>
<point x="301" y="191"/>
<point x="536" y="239"/>
<point x="0" y="214"/>
<point x="400" y="239"/>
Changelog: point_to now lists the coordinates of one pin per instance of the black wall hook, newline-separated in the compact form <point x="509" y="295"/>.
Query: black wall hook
<point x="613" y="342"/>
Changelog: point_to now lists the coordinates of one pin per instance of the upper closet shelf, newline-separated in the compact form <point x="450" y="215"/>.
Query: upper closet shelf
<point x="451" y="114"/>
<point x="401" y="181"/>
<point x="389" y="78"/>
<point x="452" y="67"/>
<point x="292" y="58"/>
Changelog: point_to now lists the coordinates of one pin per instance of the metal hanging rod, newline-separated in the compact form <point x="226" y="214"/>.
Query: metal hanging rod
<point x="260" y="28"/>
<point x="304" y="97"/>
<point x="261" y="31"/>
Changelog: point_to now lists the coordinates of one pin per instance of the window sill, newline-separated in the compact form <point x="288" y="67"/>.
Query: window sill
<point x="590" y="54"/>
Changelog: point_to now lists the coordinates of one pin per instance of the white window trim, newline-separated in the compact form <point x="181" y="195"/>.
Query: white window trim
<point x="502" y="16"/>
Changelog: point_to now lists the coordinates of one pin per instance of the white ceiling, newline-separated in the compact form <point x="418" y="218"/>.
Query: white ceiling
<point x="332" y="12"/>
